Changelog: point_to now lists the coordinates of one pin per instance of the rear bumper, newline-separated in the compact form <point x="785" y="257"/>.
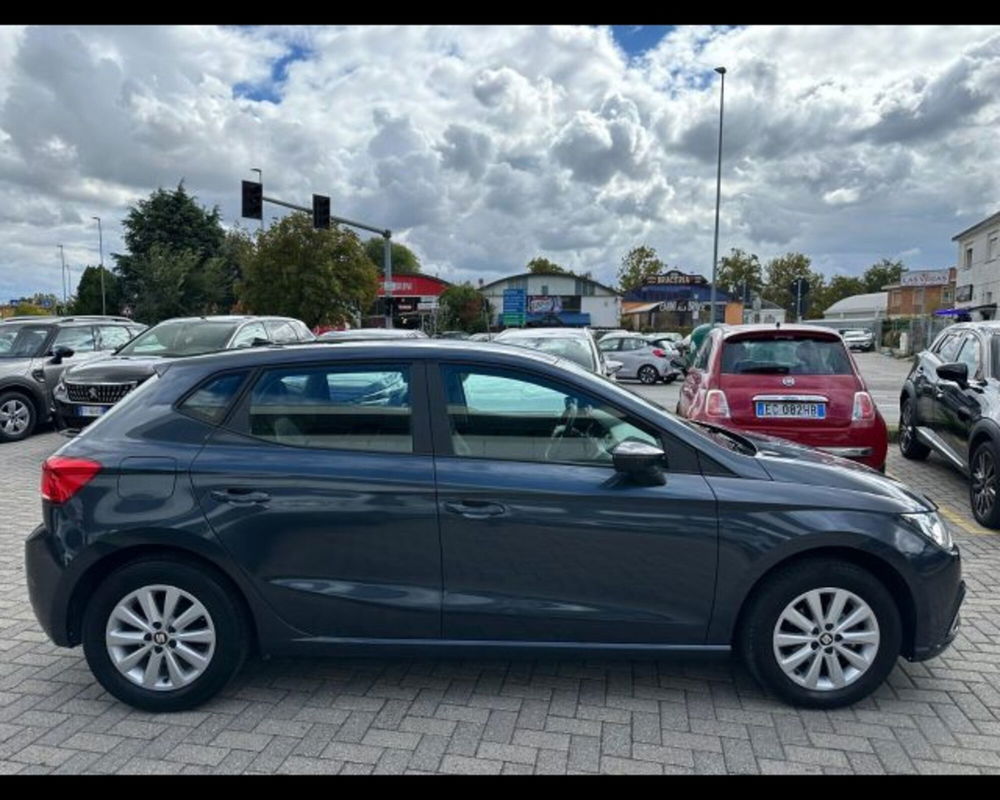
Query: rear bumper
<point x="46" y="587"/>
<point x="865" y="443"/>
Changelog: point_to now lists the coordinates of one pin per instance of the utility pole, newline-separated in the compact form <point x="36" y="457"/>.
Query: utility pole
<point x="718" y="196"/>
<point x="100" y="239"/>
<point x="62" y="256"/>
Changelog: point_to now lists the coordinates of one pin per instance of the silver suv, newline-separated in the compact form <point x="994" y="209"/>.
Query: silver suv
<point x="34" y="351"/>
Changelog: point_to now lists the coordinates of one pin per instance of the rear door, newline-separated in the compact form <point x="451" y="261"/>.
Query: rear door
<point x="321" y="486"/>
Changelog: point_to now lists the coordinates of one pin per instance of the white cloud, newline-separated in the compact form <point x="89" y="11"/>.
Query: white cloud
<point x="484" y="146"/>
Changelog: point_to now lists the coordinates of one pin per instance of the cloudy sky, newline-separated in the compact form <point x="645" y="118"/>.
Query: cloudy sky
<point x="482" y="147"/>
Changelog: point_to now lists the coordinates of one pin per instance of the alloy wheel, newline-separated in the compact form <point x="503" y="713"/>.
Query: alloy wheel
<point x="647" y="375"/>
<point x="826" y="639"/>
<point x="906" y="427"/>
<point x="984" y="483"/>
<point x="160" y="637"/>
<point x="14" y="417"/>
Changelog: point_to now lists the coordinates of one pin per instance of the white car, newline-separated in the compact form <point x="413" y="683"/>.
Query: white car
<point x="859" y="339"/>
<point x="575" y="344"/>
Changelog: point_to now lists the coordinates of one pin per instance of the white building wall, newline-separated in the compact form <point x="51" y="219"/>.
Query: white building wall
<point x="984" y="271"/>
<point x="605" y="310"/>
<point x="603" y="306"/>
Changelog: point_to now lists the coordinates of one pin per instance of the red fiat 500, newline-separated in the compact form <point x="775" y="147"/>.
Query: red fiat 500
<point x="798" y="382"/>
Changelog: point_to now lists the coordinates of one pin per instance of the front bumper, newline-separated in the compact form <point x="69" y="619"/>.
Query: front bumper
<point x="939" y="621"/>
<point x="67" y="415"/>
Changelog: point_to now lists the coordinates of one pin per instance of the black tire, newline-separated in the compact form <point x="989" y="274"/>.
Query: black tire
<point x="648" y="375"/>
<point x="232" y="633"/>
<point x="909" y="446"/>
<point x="755" y="639"/>
<point x="984" y="486"/>
<point x="14" y="402"/>
<point x="670" y="378"/>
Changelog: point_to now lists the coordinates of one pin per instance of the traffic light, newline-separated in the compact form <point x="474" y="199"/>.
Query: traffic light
<point x="253" y="200"/>
<point x="321" y="211"/>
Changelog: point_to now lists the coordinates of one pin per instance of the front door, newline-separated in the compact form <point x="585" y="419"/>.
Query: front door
<point x="959" y="408"/>
<point x="322" y="489"/>
<point x="542" y="540"/>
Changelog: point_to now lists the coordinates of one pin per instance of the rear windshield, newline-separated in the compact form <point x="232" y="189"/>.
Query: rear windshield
<point x="181" y="338"/>
<point x="796" y="355"/>
<point x="576" y="350"/>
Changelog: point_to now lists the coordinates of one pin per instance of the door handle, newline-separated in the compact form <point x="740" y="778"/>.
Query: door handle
<point x="476" y="509"/>
<point x="241" y="497"/>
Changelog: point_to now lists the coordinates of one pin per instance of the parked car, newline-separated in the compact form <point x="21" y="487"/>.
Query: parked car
<point x="671" y="336"/>
<point x="797" y="382"/>
<point x="641" y="360"/>
<point x="34" y="351"/>
<point x="950" y="403"/>
<point x="859" y="339"/>
<point x="369" y="334"/>
<point x="386" y="497"/>
<point x="87" y="391"/>
<point x="451" y="335"/>
<point x="574" y="344"/>
<point x="482" y="337"/>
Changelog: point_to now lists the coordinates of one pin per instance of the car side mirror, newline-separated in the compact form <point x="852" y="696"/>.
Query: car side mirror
<point x="613" y="366"/>
<point x="957" y="372"/>
<point x="59" y="352"/>
<point x="640" y="462"/>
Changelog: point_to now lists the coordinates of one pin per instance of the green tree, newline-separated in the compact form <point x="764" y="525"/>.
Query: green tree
<point x="543" y="265"/>
<point x="404" y="260"/>
<point x="882" y="273"/>
<point x="173" y="221"/>
<point x="637" y="265"/>
<point x="322" y="277"/>
<point x="839" y="287"/>
<point x="178" y="283"/>
<point x="740" y="274"/>
<point x="88" y="292"/>
<point x="780" y="272"/>
<point x="462" y="308"/>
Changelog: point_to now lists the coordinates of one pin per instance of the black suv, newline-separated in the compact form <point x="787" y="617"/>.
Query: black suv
<point x="950" y="403"/>
<point x="88" y="392"/>
<point x="33" y="353"/>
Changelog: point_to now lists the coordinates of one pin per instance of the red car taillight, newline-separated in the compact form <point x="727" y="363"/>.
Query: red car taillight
<point x="864" y="406"/>
<point x="659" y="353"/>
<point x="63" y="477"/>
<point x="716" y="404"/>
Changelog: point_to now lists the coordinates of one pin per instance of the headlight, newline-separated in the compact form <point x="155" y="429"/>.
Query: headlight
<point x="932" y="526"/>
<point x="60" y="390"/>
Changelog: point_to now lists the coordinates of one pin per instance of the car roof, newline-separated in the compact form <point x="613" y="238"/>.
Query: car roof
<point x="729" y="331"/>
<point x="80" y="319"/>
<point x="226" y="318"/>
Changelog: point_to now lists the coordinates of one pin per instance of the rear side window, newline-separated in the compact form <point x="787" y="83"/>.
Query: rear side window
<point x="338" y="408"/>
<point x="282" y="332"/>
<point x="795" y="355"/>
<point x="702" y="358"/>
<point x="111" y="337"/>
<point x="948" y="348"/>
<point x="210" y="400"/>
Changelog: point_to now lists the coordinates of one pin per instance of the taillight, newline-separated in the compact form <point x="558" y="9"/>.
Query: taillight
<point x="63" y="477"/>
<point x="659" y="353"/>
<point x="864" y="406"/>
<point x="716" y="404"/>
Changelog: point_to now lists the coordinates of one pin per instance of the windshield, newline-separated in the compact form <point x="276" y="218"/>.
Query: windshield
<point x="22" y="341"/>
<point x="796" y="355"/>
<point x="180" y="338"/>
<point x="575" y="350"/>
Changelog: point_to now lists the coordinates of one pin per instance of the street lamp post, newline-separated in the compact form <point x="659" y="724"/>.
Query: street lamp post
<point x="62" y="256"/>
<point x="718" y="194"/>
<point x="100" y="240"/>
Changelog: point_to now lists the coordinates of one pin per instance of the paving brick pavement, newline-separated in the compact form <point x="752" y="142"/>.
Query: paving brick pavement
<point x="373" y="716"/>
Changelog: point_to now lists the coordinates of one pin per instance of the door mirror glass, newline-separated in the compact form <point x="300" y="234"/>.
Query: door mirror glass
<point x="640" y="461"/>
<point x="59" y="352"/>
<point x="957" y="372"/>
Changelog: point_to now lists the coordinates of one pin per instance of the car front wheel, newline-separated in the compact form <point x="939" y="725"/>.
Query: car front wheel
<point x="821" y="634"/>
<point x="648" y="375"/>
<point x="164" y="635"/>
<point x="17" y="417"/>
<point x="909" y="445"/>
<point x="983" y="484"/>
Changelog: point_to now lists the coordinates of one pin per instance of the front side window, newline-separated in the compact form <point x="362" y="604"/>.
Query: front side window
<point x="969" y="354"/>
<point x="607" y="345"/>
<point x="334" y="408"/>
<point x="702" y="358"/>
<point x="80" y="339"/>
<point x="948" y="349"/>
<point x="22" y="341"/>
<point x="506" y="415"/>
<point x="246" y="335"/>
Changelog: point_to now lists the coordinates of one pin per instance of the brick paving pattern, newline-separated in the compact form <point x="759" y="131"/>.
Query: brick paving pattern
<point x="360" y="716"/>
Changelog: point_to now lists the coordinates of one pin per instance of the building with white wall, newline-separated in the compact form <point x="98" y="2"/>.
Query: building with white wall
<point x="977" y="282"/>
<point x="557" y="299"/>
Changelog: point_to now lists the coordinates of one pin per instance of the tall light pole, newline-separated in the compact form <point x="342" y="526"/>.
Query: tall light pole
<point x="62" y="256"/>
<point x="100" y="240"/>
<point x="260" y="180"/>
<point x="718" y="194"/>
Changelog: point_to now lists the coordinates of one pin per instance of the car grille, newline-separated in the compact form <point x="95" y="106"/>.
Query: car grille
<point x="104" y="393"/>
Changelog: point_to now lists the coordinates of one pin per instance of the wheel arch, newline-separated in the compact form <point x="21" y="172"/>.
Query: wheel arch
<point x="31" y="392"/>
<point x="983" y="430"/>
<point x="881" y="569"/>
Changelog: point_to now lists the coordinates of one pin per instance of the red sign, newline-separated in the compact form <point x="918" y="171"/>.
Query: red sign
<point x="414" y="286"/>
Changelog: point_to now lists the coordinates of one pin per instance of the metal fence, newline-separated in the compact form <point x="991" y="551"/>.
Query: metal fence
<point x="909" y="335"/>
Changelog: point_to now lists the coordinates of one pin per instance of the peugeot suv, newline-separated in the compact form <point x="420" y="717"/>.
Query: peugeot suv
<point x="432" y="497"/>
<point x="34" y="351"/>
<point x="950" y="403"/>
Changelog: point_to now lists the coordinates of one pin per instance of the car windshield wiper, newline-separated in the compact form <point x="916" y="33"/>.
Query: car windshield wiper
<point x="739" y="443"/>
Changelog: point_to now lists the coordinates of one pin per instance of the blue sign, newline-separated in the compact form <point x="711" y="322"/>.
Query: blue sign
<point x="514" y="301"/>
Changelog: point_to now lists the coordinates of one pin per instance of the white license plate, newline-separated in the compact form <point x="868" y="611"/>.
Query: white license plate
<point x="91" y="411"/>
<point x="791" y="410"/>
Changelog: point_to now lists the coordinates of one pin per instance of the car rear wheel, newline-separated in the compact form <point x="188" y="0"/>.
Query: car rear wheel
<point x="983" y="485"/>
<point x="648" y="375"/>
<point x="821" y="634"/>
<point x="909" y="445"/>
<point x="164" y="635"/>
<point x="17" y="417"/>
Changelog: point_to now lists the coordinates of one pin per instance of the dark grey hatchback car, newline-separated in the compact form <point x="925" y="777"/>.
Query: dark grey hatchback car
<point x="442" y="497"/>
